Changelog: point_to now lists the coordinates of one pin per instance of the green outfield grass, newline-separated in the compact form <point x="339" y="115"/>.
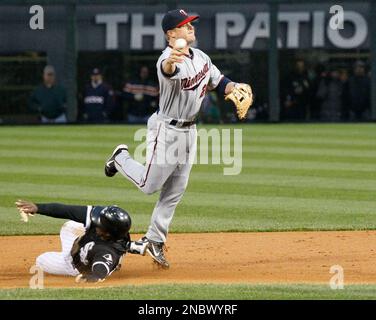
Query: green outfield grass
<point x="199" y="292"/>
<point x="294" y="177"/>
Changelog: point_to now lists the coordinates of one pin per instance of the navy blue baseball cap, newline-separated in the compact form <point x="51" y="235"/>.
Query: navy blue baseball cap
<point x="175" y="19"/>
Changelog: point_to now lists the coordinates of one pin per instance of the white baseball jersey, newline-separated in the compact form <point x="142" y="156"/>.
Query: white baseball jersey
<point x="181" y="94"/>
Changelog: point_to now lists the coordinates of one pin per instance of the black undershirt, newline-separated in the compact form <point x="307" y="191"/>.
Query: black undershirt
<point x="63" y="211"/>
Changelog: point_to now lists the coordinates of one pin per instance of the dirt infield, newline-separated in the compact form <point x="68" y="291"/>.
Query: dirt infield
<point x="262" y="257"/>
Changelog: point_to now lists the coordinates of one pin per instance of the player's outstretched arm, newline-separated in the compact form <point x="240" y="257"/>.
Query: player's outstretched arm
<point x="169" y="64"/>
<point x="55" y="210"/>
<point x="240" y="93"/>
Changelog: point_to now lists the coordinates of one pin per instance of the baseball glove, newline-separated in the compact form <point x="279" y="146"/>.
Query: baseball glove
<point x="242" y="97"/>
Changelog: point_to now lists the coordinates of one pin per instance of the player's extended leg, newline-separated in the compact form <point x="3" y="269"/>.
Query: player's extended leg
<point x="60" y="263"/>
<point x="56" y="263"/>
<point x="148" y="178"/>
<point x="171" y="194"/>
<point x="69" y="232"/>
<point x="164" y="210"/>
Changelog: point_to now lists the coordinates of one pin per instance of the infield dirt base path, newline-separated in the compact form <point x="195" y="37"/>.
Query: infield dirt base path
<point x="256" y="257"/>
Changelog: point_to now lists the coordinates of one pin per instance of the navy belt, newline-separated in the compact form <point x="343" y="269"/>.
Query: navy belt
<point x="181" y="124"/>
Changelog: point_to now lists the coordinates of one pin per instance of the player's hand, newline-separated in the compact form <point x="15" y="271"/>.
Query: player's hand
<point x="175" y="57"/>
<point x="26" y="209"/>
<point x="168" y="65"/>
<point x="26" y="206"/>
<point x="81" y="278"/>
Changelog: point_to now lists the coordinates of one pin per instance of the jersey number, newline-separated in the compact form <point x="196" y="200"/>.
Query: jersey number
<point x="203" y="91"/>
<point x="84" y="252"/>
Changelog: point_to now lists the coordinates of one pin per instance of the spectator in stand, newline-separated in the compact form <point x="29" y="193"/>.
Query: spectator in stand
<point x="140" y="97"/>
<point x="49" y="99"/>
<point x="98" y="99"/>
<point x="297" y="94"/>
<point x="320" y="74"/>
<point x="330" y="92"/>
<point x="357" y="91"/>
<point x="343" y="75"/>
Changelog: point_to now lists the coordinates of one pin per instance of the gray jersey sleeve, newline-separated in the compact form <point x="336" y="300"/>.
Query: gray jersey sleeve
<point x="215" y="76"/>
<point x="179" y="73"/>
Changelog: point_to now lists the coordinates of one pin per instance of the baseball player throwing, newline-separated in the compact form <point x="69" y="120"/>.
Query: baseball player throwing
<point x="185" y="74"/>
<point x="93" y="241"/>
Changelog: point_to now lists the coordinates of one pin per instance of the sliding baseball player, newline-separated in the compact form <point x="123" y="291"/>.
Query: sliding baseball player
<point x="93" y="241"/>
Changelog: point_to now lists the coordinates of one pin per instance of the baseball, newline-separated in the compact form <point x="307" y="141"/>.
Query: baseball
<point x="180" y="43"/>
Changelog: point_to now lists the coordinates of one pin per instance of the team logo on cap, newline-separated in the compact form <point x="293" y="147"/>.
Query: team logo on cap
<point x="183" y="12"/>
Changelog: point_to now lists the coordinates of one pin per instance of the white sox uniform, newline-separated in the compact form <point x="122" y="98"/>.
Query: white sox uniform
<point x="83" y="251"/>
<point x="172" y="127"/>
<point x="61" y="263"/>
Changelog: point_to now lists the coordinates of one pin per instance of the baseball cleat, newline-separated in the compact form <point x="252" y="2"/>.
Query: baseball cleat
<point x="156" y="251"/>
<point x="109" y="168"/>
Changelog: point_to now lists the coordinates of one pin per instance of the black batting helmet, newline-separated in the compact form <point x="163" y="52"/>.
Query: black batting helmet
<point x="114" y="220"/>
